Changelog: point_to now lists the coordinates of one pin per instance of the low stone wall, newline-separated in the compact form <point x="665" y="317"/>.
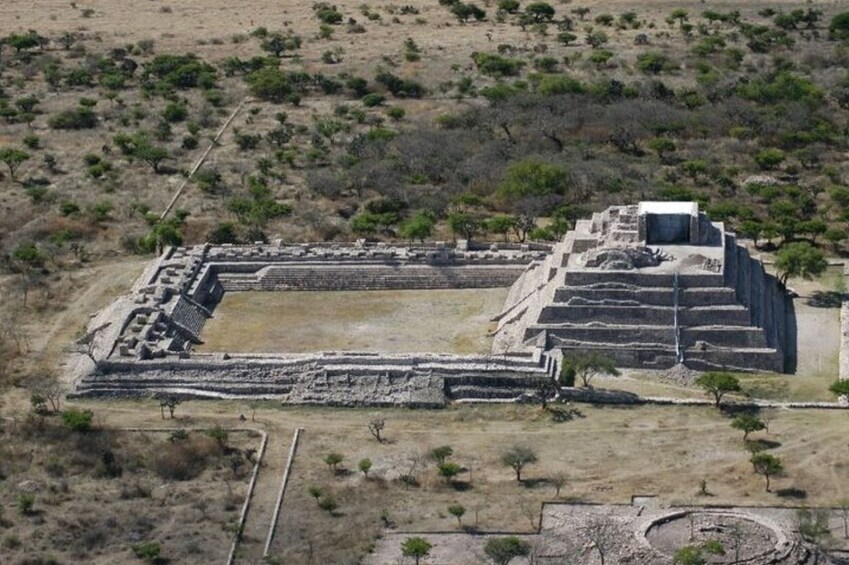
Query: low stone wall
<point x="843" y="369"/>
<point x="341" y="379"/>
<point x="372" y="277"/>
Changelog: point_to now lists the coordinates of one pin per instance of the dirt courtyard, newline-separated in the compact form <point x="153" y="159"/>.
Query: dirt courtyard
<point x="386" y="321"/>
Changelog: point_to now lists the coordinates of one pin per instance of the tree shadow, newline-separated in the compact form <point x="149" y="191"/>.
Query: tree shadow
<point x="563" y="413"/>
<point x="792" y="492"/>
<point x="826" y="299"/>
<point x="534" y="483"/>
<point x="460" y="486"/>
<point x="791" y="337"/>
<point x="734" y="410"/>
<point x="755" y="445"/>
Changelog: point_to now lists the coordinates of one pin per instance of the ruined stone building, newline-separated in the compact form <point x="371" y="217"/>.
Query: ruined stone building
<point x="650" y="286"/>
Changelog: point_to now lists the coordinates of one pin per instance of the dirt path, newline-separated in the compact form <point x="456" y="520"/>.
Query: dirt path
<point x="51" y="329"/>
<point x="263" y="506"/>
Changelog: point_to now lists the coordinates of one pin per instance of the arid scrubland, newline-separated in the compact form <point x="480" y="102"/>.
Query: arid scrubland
<point x="423" y="120"/>
<point x="427" y="120"/>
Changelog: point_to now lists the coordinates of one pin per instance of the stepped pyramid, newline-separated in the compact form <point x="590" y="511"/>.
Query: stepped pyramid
<point x="650" y="286"/>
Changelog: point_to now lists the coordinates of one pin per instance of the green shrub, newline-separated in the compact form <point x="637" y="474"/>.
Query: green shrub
<point x="770" y="158"/>
<point x="559" y="84"/>
<point x="78" y="118"/>
<point x="373" y="99"/>
<point x="32" y="141"/>
<point x="782" y="87"/>
<point x="396" y="112"/>
<point x="839" y="26"/>
<point x="271" y="84"/>
<point x="400" y="87"/>
<point x="655" y="63"/>
<point x="25" y="503"/>
<point x="77" y="420"/>
<point x="327" y="14"/>
<point x="149" y="551"/>
<point x="496" y="65"/>
<point x="175" y="112"/>
<point x="509" y="6"/>
<point x="181" y="71"/>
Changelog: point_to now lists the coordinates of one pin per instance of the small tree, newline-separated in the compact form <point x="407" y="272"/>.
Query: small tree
<point x="364" y="466"/>
<point x="587" y="366"/>
<point x="718" y="385"/>
<point x="171" y="402"/>
<point x="504" y="550"/>
<point x="457" y="510"/>
<point x="418" y="227"/>
<point x="747" y="423"/>
<point x="557" y="480"/>
<point x="518" y="457"/>
<point x="13" y="158"/>
<point x="540" y="11"/>
<point x="416" y="547"/>
<point x="767" y="465"/>
<point x="799" y="259"/>
<point x="220" y="435"/>
<point x="449" y="470"/>
<point x="328" y="504"/>
<point x="315" y="492"/>
<point x="441" y="453"/>
<point x="332" y="461"/>
<point x="375" y="427"/>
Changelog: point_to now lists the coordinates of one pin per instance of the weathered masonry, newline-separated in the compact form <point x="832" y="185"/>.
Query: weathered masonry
<point x="651" y="286"/>
<point x="144" y="341"/>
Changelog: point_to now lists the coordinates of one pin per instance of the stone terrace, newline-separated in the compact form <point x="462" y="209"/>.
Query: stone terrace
<point x="700" y="299"/>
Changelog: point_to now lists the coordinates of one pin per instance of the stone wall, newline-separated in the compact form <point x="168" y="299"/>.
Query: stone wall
<point x="341" y="378"/>
<point x="369" y="277"/>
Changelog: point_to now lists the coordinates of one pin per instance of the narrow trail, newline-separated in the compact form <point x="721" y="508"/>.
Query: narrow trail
<point x="201" y="159"/>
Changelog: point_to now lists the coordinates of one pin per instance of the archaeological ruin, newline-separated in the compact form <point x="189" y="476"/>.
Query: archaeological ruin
<point x="644" y="531"/>
<point x="651" y="286"/>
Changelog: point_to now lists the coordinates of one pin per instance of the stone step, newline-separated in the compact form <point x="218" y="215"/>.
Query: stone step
<point x="646" y="296"/>
<point x="645" y="315"/>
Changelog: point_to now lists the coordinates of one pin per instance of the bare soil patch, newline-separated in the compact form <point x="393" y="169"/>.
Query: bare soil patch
<point x="455" y="321"/>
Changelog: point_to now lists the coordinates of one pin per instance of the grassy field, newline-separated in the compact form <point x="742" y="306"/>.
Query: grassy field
<point x="389" y="321"/>
<point x="602" y="452"/>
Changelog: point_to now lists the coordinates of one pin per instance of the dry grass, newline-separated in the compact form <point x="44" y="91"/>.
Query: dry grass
<point x="88" y="511"/>
<point x="608" y="454"/>
<point x="455" y="321"/>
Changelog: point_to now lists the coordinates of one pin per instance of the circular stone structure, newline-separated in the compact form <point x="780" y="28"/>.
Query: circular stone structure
<point x="746" y="538"/>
